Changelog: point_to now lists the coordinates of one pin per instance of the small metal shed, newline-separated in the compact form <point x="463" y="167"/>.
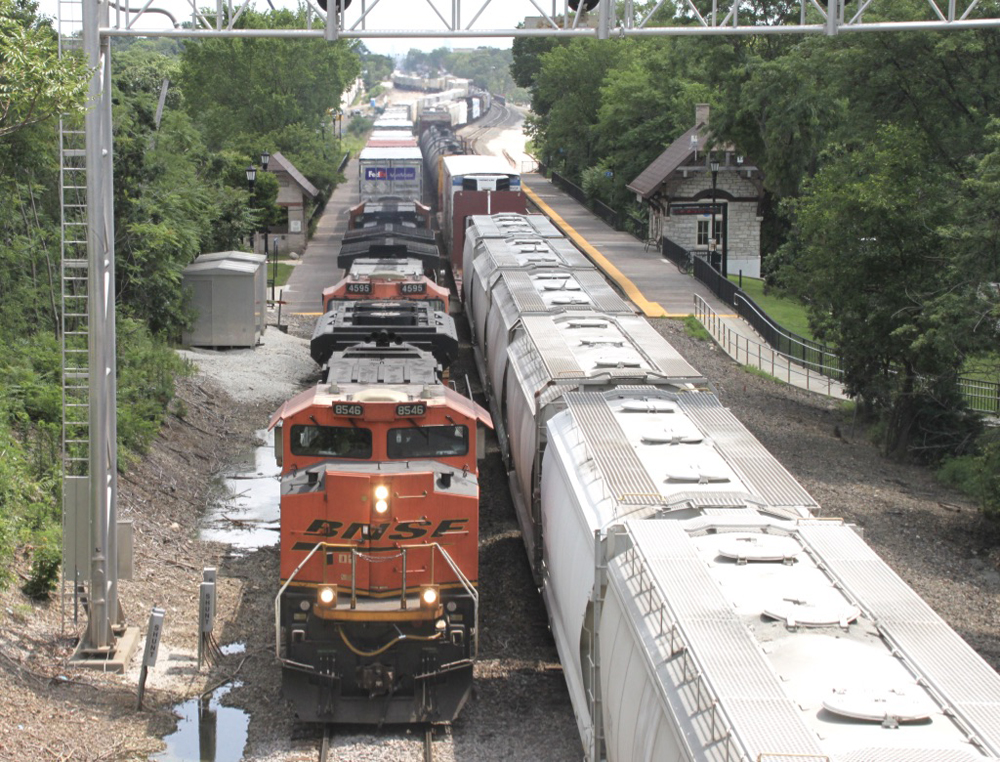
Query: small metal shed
<point x="260" y="279"/>
<point x="224" y="295"/>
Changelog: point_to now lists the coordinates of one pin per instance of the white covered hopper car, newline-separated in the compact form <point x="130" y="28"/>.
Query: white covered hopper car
<point x="702" y="609"/>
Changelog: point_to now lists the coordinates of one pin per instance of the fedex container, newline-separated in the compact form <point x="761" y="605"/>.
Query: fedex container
<point x="390" y="171"/>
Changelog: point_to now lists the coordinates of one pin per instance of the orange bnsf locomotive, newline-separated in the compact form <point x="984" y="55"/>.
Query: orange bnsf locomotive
<point x="386" y="279"/>
<point x="377" y="616"/>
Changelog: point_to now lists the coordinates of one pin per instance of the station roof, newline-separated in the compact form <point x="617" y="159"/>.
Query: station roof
<point x="280" y="163"/>
<point x="669" y="161"/>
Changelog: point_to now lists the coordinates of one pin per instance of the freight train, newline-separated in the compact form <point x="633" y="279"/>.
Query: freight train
<point x="377" y="618"/>
<point x="702" y="606"/>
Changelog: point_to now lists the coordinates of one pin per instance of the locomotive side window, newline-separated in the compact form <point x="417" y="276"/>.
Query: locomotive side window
<point x="428" y="441"/>
<point x="331" y="441"/>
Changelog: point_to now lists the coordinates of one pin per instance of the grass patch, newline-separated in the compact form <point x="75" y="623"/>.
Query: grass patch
<point x="983" y="368"/>
<point x="284" y="273"/>
<point x="695" y="329"/>
<point x="977" y="474"/>
<point x="760" y="373"/>
<point x="790" y="314"/>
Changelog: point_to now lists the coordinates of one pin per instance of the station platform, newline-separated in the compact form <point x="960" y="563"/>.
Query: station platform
<point x="660" y="290"/>
<point x="664" y="290"/>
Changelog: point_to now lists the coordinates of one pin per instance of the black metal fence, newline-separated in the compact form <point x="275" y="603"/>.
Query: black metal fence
<point x="670" y="250"/>
<point x="599" y="208"/>
<point x="807" y="352"/>
<point x="980" y="396"/>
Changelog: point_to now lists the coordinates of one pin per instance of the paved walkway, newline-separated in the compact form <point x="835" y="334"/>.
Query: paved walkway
<point x="659" y="289"/>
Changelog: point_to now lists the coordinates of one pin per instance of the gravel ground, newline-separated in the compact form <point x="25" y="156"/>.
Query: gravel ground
<point x="277" y="369"/>
<point x="520" y="710"/>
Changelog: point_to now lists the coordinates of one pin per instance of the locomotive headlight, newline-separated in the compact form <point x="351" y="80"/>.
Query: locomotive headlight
<point x="327" y="596"/>
<point x="381" y="499"/>
<point x="429" y="596"/>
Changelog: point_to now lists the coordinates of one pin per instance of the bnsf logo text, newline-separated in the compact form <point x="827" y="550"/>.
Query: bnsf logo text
<point x="403" y="530"/>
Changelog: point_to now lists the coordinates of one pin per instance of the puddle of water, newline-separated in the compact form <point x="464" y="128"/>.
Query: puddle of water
<point x="246" y="513"/>
<point x="207" y="731"/>
<point x="233" y="648"/>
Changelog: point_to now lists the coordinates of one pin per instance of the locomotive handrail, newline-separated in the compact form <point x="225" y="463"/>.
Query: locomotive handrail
<point x="463" y="580"/>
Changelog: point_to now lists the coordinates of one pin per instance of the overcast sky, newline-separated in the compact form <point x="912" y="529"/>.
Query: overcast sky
<point x="388" y="14"/>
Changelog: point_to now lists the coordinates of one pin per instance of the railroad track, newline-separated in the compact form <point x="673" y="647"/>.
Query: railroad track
<point x="429" y="743"/>
<point x="499" y="116"/>
<point x="326" y="743"/>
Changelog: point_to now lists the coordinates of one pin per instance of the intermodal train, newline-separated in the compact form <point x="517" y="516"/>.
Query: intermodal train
<point x="377" y="617"/>
<point x="703" y="607"/>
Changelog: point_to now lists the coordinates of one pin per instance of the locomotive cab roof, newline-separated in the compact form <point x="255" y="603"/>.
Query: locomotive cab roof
<point x="434" y="396"/>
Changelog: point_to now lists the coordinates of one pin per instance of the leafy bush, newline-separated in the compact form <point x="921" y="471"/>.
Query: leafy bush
<point x="46" y="560"/>
<point x="146" y="371"/>
<point x="977" y="475"/>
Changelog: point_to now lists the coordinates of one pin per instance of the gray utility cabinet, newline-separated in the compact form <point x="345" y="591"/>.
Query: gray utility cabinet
<point x="260" y="279"/>
<point x="227" y="300"/>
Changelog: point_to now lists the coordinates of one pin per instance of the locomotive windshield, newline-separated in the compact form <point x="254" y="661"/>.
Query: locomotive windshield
<point x="428" y="441"/>
<point x="331" y="441"/>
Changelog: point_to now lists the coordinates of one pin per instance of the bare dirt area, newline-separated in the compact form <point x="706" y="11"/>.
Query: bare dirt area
<point x="51" y="710"/>
<point x="520" y="710"/>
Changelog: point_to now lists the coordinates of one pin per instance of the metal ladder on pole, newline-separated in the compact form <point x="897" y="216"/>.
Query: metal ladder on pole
<point x="74" y="328"/>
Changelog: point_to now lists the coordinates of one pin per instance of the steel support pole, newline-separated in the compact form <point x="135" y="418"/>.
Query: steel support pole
<point x="711" y="233"/>
<point x="725" y="241"/>
<point x="604" y="19"/>
<point x="104" y="609"/>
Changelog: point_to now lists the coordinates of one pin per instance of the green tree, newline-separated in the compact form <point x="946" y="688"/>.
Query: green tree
<point x="564" y="106"/>
<point x="375" y="68"/>
<point x="526" y="61"/>
<point x="257" y="86"/>
<point x="35" y="85"/>
<point x="886" y="291"/>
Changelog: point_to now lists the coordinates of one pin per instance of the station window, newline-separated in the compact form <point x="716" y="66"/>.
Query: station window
<point x="703" y="231"/>
<point x="331" y="442"/>
<point x="428" y="442"/>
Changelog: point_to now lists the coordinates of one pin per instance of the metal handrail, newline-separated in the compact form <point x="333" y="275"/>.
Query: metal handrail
<point x="463" y="580"/>
<point x="765" y="354"/>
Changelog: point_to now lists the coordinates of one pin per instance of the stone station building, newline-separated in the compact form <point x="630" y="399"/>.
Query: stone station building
<point x="678" y="188"/>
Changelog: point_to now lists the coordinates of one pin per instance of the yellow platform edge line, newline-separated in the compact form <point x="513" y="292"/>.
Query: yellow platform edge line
<point x="649" y="309"/>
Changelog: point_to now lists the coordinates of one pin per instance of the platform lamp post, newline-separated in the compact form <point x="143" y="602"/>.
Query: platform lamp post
<point x="265" y="157"/>
<point x="251" y="177"/>
<point x="714" y="166"/>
